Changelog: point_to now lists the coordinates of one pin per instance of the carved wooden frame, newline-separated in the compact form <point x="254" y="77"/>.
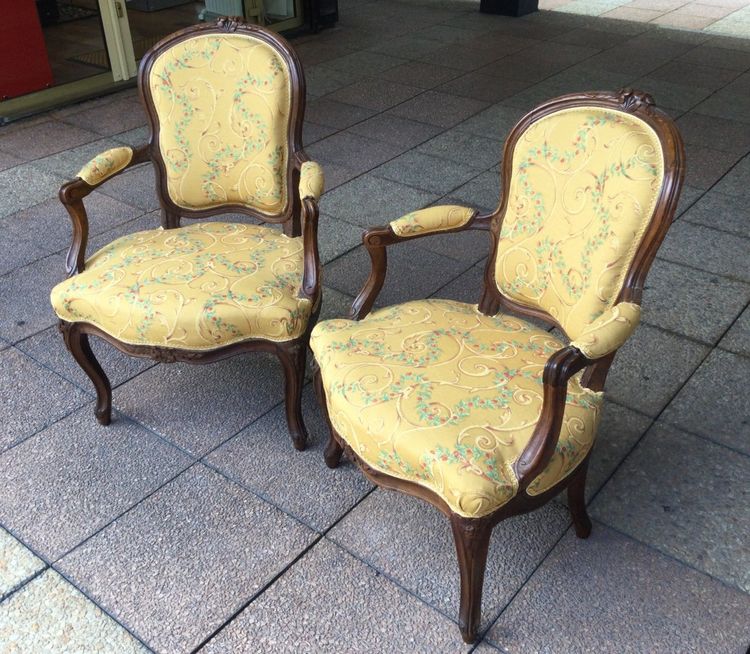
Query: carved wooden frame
<point x="300" y="218"/>
<point x="472" y="535"/>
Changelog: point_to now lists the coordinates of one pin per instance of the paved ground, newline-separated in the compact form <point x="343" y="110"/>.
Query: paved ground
<point x="191" y="521"/>
<point x="727" y="17"/>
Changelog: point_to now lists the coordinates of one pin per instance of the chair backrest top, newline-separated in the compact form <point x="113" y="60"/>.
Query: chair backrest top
<point x="225" y="103"/>
<point x="590" y="185"/>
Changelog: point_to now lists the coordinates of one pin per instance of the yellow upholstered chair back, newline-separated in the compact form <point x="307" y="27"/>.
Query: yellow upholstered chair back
<point x="223" y="103"/>
<point x="584" y="185"/>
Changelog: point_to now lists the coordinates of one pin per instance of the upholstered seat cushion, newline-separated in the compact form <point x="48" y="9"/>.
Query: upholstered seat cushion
<point x="437" y="393"/>
<point x="197" y="287"/>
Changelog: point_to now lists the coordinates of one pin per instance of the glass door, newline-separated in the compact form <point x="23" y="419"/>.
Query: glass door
<point x="57" y="51"/>
<point x="150" y="20"/>
<point x="60" y="51"/>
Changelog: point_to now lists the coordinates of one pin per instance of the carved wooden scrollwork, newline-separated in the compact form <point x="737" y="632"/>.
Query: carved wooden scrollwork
<point x="229" y="23"/>
<point x="632" y="99"/>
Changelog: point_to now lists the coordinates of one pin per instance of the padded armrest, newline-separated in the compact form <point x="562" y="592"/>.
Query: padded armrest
<point x="311" y="181"/>
<point x="609" y="331"/>
<point x="106" y="164"/>
<point x="432" y="219"/>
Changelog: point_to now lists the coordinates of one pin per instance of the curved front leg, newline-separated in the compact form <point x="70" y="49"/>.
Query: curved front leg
<point x="78" y="345"/>
<point x="472" y="538"/>
<point x="577" y="501"/>
<point x="333" y="451"/>
<point x="292" y="356"/>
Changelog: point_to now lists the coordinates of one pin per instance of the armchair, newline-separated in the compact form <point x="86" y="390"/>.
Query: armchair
<point x="225" y="104"/>
<point x="474" y="408"/>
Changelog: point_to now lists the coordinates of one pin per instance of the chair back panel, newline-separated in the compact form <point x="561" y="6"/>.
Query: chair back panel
<point x="223" y="108"/>
<point x="584" y="186"/>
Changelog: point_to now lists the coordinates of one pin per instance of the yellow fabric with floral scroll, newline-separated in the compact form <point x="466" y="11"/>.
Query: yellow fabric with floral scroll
<point x="432" y="219"/>
<point x="223" y="104"/>
<point x="311" y="181"/>
<point x="197" y="287"/>
<point x="583" y="191"/>
<point x="106" y="164"/>
<point x="609" y="331"/>
<point x="437" y="393"/>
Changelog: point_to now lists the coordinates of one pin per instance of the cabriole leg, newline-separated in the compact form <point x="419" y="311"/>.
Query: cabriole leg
<point x="577" y="501"/>
<point x="292" y="358"/>
<point x="77" y="343"/>
<point x="333" y="451"/>
<point x="472" y="537"/>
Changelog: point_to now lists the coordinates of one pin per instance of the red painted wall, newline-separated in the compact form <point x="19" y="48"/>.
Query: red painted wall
<point x="24" y="66"/>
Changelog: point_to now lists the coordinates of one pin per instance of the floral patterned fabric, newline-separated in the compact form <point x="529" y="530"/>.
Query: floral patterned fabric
<point x="609" y="331"/>
<point x="223" y="104"/>
<point x="584" y="186"/>
<point x="432" y="219"/>
<point x="197" y="287"/>
<point x="106" y="164"/>
<point x="437" y="393"/>
<point x="311" y="181"/>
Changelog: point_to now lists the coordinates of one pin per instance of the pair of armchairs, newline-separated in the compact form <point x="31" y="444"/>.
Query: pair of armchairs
<point x="474" y="408"/>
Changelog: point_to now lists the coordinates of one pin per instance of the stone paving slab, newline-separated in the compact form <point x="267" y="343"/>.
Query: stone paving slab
<point x="331" y="602"/>
<point x="464" y="148"/>
<point x="411" y="542"/>
<point x="182" y="562"/>
<point x="370" y="200"/>
<point x="45" y="138"/>
<point x="721" y="211"/>
<point x="610" y="594"/>
<point x="25" y="186"/>
<point x="25" y="308"/>
<point x="69" y="161"/>
<point x="48" y="348"/>
<point x="427" y="172"/>
<point x="714" y="402"/>
<point x="413" y="273"/>
<point x="135" y="187"/>
<point x="298" y="483"/>
<point x="619" y="430"/>
<point x="738" y="337"/>
<point x="687" y="497"/>
<point x="48" y="226"/>
<point x="336" y="237"/>
<point x="50" y="615"/>
<point x="76" y="476"/>
<point x="651" y="368"/>
<point x="709" y="249"/>
<point x="17" y="563"/>
<point x="692" y="302"/>
<point x="19" y="249"/>
<point x="735" y="182"/>
<point x="198" y="407"/>
<point x="31" y="397"/>
<point x="111" y="118"/>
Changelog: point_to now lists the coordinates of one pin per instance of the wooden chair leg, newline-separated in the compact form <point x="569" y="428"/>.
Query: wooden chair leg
<point x="333" y="451"/>
<point x="292" y="358"/>
<point x="577" y="501"/>
<point x="472" y="538"/>
<point x="78" y="345"/>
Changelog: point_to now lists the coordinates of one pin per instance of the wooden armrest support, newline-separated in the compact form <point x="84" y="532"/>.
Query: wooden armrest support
<point x="311" y="263"/>
<point x="72" y="194"/>
<point x="376" y="239"/>
<point x="560" y="367"/>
